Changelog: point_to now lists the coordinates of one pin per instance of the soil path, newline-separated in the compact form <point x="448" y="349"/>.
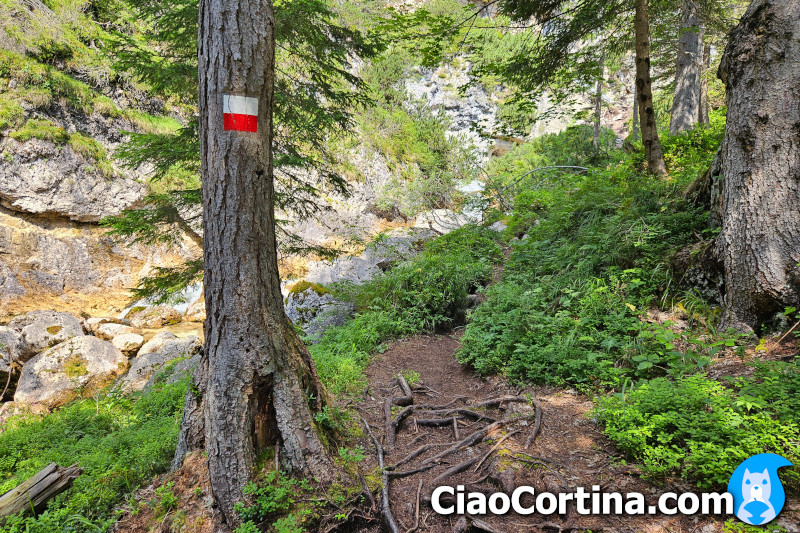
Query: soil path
<point x="570" y="451"/>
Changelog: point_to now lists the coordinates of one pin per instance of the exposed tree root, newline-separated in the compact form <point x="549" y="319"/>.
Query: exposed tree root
<point x="441" y="416"/>
<point x="386" y="510"/>
<point x="537" y="425"/>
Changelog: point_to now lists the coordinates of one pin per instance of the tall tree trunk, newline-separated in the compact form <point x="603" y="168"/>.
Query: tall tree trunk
<point x="598" y="104"/>
<point x="256" y="375"/>
<point x="635" y="129"/>
<point x="644" y="85"/>
<point x="759" y="241"/>
<point x="705" y="111"/>
<point x="686" y="100"/>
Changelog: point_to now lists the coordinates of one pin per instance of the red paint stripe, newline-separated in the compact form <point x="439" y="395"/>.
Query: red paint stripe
<point x="237" y="122"/>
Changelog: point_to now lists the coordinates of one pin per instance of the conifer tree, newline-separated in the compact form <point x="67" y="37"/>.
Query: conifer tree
<point x="316" y="93"/>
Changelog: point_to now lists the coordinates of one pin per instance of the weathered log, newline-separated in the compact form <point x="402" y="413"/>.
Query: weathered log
<point x="36" y="491"/>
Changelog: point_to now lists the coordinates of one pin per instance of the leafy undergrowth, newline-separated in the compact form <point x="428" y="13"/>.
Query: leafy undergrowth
<point x="571" y="310"/>
<point x="120" y="442"/>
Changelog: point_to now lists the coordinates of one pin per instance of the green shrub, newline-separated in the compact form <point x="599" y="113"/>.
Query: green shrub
<point x="120" y="443"/>
<point x="697" y="428"/>
<point x="272" y="496"/>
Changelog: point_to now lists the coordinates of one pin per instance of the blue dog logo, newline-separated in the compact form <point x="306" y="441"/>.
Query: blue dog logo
<point x="758" y="495"/>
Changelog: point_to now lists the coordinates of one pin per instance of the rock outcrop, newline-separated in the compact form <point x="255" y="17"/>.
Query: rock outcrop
<point x="154" y="317"/>
<point x="146" y="364"/>
<point x="42" y="329"/>
<point x="128" y="343"/>
<point x="42" y="178"/>
<point x="79" y="366"/>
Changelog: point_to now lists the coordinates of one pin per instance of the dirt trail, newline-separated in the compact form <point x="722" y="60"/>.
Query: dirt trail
<point x="570" y="451"/>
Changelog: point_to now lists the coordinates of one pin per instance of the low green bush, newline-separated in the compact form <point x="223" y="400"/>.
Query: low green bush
<point x="696" y="427"/>
<point x="120" y="443"/>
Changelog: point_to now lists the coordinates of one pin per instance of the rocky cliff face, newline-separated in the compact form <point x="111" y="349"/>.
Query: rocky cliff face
<point x="58" y="179"/>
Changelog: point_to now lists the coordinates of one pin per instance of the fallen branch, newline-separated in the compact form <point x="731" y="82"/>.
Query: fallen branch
<point x="496" y="402"/>
<point x="408" y="399"/>
<point x="416" y="513"/>
<point x="416" y="453"/>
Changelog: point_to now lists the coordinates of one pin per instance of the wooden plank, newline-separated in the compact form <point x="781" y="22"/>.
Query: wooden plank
<point x="35" y="492"/>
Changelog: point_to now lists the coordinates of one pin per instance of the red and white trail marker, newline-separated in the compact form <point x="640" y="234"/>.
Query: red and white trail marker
<point x="239" y="113"/>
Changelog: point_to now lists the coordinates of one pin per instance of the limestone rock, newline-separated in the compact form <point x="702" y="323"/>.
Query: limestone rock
<point x="80" y="365"/>
<point x="92" y="324"/>
<point x="10" y="351"/>
<point x="196" y="312"/>
<point x="110" y="330"/>
<point x="154" y="317"/>
<point x="128" y="343"/>
<point x="498" y="226"/>
<point x="173" y="373"/>
<point x="442" y="220"/>
<point x="43" y="329"/>
<point x="315" y="310"/>
<point x="145" y="365"/>
<point x="157" y="342"/>
<point x="42" y="178"/>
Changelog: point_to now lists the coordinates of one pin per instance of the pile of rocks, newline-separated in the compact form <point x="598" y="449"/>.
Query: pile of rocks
<point x="55" y="357"/>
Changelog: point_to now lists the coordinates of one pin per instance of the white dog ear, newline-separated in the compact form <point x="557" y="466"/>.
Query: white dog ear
<point x="766" y="472"/>
<point x="746" y="472"/>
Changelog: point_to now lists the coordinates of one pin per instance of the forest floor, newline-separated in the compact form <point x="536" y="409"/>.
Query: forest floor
<point x="569" y="451"/>
<point x="496" y="454"/>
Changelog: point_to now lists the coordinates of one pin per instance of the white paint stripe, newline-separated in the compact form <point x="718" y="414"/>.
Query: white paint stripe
<point x="240" y="105"/>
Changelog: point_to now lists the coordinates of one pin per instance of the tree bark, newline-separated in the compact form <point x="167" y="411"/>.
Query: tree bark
<point x="759" y="241"/>
<point x="688" y="70"/>
<point x="255" y="375"/>
<point x="644" y="85"/>
<point x="635" y="129"/>
<point x="705" y="111"/>
<point x="598" y="105"/>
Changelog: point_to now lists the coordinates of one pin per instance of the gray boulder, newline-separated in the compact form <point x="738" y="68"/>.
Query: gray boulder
<point x="110" y="330"/>
<point x="173" y="372"/>
<point x="128" y="343"/>
<point x="43" y="329"/>
<point x="145" y="365"/>
<point x="81" y="365"/>
<point x="315" y="310"/>
<point x="92" y="324"/>
<point x="154" y="317"/>
<point x="157" y="342"/>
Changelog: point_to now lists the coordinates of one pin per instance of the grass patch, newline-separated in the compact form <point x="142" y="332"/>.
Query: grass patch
<point x="120" y="443"/>
<point x="40" y="129"/>
<point x="11" y="113"/>
<point x="92" y="150"/>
